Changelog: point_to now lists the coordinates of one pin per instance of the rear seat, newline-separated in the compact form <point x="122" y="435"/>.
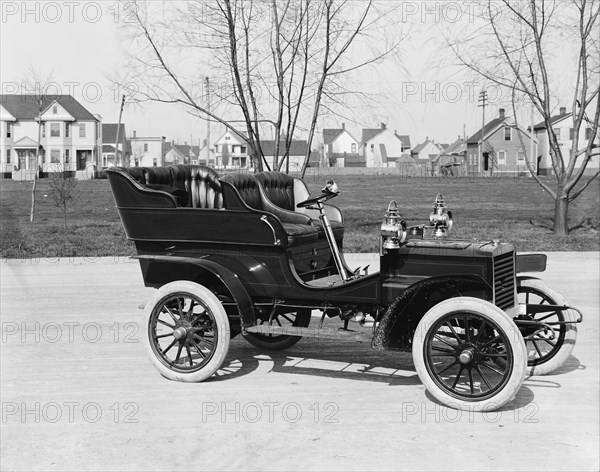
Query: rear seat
<point x="192" y="186"/>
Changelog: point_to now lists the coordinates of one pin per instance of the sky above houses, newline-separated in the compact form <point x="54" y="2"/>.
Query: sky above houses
<point x="81" y="44"/>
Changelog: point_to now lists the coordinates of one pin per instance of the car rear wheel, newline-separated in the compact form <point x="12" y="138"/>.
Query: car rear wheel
<point x="278" y="342"/>
<point x="546" y="353"/>
<point x="187" y="331"/>
<point x="469" y="354"/>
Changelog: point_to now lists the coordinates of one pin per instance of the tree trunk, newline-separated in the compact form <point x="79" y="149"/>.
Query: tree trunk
<point x="561" y="210"/>
<point x="33" y="199"/>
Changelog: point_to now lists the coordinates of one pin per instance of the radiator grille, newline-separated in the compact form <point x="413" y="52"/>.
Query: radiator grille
<point x="504" y="280"/>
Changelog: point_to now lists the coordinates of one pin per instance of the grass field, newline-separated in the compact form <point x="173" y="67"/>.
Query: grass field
<point x="509" y="209"/>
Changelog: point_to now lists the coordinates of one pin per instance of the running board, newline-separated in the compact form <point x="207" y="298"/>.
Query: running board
<point x="323" y="333"/>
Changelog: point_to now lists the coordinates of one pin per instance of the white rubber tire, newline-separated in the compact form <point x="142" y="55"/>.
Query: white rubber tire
<point x="491" y="314"/>
<point x="570" y="336"/>
<point x="213" y="304"/>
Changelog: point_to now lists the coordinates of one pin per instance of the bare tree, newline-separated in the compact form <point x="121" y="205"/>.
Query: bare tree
<point x="62" y="191"/>
<point x="513" y="45"/>
<point x="37" y="87"/>
<point x="271" y="63"/>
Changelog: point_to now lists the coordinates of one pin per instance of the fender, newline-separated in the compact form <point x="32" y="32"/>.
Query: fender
<point x="397" y="326"/>
<point x="530" y="263"/>
<point x="198" y="267"/>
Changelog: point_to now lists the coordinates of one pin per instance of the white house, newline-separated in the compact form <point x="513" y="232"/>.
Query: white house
<point x="121" y="156"/>
<point x="425" y="154"/>
<point x="381" y="147"/>
<point x="70" y="137"/>
<point x="147" y="151"/>
<point x="182" y="154"/>
<point x="562" y="124"/>
<point x="232" y="151"/>
<point x="339" y="145"/>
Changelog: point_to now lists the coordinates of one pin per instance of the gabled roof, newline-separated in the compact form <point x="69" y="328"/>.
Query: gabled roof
<point x="185" y="149"/>
<point x="25" y="142"/>
<point x="487" y="129"/>
<point x="109" y="132"/>
<point x="297" y="147"/>
<point x="329" y="134"/>
<point x="404" y="138"/>
<point x="25" y="107"/>
<point x="370" y="133"/>
<point x="553" y="120"/>
<point x="419" y="147"/>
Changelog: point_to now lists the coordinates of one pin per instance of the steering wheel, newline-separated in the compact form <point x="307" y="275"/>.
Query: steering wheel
<point x="330" y="191"/>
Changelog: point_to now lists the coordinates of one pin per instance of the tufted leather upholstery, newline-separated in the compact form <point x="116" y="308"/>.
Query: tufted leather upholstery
<point x="282" y="190"/>
<point x="298" y="227"/>
<point x="201" y="183"/>
<point x="279" y="188"/>
<point x="247" y="187"/>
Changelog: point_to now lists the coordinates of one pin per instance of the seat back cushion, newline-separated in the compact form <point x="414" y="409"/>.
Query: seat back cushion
<point x="157" y="175"/>
<point x="201" y="183"/>
<point x="279" y="188"/>
<point x="247" y="187"/>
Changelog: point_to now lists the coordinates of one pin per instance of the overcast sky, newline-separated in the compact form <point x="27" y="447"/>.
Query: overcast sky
<point x="78" y="42"/>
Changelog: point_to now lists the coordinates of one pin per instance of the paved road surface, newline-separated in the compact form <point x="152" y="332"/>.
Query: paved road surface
<point x="77" y="392"/>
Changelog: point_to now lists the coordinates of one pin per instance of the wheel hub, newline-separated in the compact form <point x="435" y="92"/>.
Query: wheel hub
<point x="466" y="356"/>
<point x="180" y="333"/>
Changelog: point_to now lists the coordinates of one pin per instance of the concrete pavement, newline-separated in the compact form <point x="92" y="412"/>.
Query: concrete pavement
<point x="77" y="392"/>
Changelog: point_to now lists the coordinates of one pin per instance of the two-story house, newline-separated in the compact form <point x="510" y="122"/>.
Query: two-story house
<point x="338" y="146"/>
<point x="147" y="151"/>
<point x="231" y="151"/>
<point x="111" y="156"/>
<point x="70" y="137"/>
<point x="380" y="147"/>
<point x="297" y="153"/>
<point x="499" y="147"/>
<point x="562" y="124"/>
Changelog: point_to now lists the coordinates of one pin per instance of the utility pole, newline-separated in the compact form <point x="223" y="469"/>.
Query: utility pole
<point x="117" y="160"/>
<point x="532" y="144"/>
<point x="483" y="102"/>
<point x="208" y="122"/>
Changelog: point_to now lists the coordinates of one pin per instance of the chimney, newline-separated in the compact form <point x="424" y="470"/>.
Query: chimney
<point x="343" y="125"/>
<point x="134" y="133"/>
<point x="172" y="143"/>
<point x="563" y="110"/>
<point x="501" y="113"/>
<point x="382" y="125"/>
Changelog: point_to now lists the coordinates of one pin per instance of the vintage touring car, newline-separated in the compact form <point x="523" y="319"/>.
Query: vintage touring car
<point x="256" y="254"/>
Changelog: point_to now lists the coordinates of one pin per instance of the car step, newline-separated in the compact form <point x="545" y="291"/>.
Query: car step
<point x="332" y="332"/>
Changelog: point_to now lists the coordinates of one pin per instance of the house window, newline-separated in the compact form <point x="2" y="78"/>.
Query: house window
<point x="82" y="130"/>
<point x="507" y="133"/>
<point x="501" y="158"/>
<point x="8" y="156"/>
<point x="67" y="130"/>
<point x="372" y="147"/>
<point x="67" y="156"/>
<point x="55" y="130"/>
<point x="43" y="130"/>
<point x="353" y="147"/>
<point x="227" y="138"/>
<point x="521" y="156"/>
<point x="146" y="148"/>
<point x="588" y="133"/>
<point x="556" y="132"/>
<point x="243" y="149"/>
<point x="8" y="130"/>
<point x="154" y="162"/>
<point x="54" y="110"/>
<point x="55" y="156"/>
<point x="571" y="133"/>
